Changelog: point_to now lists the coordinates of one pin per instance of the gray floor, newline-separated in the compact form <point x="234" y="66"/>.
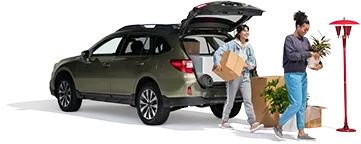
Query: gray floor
<point x="181" y="122"/>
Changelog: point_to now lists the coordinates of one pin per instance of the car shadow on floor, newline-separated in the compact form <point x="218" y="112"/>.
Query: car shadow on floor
<point x="118" y="113"/>
<point x="182" y="117"/>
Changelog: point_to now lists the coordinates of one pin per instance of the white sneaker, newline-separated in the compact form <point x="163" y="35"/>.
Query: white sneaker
<point x="226" y="125"/>
<point x="256" y="126"/>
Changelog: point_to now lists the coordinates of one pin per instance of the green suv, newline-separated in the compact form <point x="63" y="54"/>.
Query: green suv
<point x="152" y="67"/>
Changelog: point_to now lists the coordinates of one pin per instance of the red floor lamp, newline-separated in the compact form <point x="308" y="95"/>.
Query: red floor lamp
<point x="347" y="30"/>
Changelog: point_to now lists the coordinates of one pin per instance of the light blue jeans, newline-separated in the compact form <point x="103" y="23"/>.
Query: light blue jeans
<point x="296" y="84"/>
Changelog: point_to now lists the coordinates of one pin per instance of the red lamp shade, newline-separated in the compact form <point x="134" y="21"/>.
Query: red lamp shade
<point x="338" y="30"/>
<point x="347" y="30"/>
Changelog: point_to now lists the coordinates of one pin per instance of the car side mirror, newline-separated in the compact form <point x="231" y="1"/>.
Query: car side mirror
<point x="85" y="54"/>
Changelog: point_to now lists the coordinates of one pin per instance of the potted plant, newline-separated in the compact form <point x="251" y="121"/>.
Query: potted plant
<point x="277" y="98"/>
<point x="321" y="47"/>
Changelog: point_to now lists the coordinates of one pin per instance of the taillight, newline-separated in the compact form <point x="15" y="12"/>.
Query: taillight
<point x="183" y="65"/>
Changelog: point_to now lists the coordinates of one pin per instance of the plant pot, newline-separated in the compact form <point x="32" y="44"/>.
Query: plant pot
<point x="312" y="62"/>
<point x="290" y="125"/>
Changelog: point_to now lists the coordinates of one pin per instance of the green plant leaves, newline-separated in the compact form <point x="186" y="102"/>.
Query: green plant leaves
<point x="321" y="46"/>
<point x="277" y="97"/>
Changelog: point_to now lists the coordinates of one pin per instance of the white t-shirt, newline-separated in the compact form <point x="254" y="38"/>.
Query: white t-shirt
<point x="242" y="51"/>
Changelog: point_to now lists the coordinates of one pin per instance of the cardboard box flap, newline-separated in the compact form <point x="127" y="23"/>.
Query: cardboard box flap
<point x="313" y="112"/>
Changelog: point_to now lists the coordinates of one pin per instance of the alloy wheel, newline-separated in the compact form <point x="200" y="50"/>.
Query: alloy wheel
<point x="64" y="93"/>
<point x="148" y="104"/>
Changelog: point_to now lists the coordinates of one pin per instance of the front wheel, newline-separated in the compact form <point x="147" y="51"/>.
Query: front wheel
<point x="65" y="93"/>
<point x="150" y="106"/>
<point x="217" y="110"/>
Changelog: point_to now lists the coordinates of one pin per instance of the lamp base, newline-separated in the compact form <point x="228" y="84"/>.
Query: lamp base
<point x="346" y="129"/>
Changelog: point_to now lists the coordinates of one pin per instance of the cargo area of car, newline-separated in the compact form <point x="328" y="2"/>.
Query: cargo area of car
<point x="205" y="29"/>
<point x="200" y="49"/>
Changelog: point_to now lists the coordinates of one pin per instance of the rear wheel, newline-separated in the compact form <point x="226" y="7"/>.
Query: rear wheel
<point x="217" y="110"/>
<point x="65" y="93"/>
<point x="150" y="106"/>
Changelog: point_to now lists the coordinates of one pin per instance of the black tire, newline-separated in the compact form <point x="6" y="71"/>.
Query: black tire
<point x="217" y="110"/>
<point x="151" y="91"/>
<point x="65" y="90"/>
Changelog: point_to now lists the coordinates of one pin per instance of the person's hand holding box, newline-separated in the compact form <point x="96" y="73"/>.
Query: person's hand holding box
<point x="230" y="66"/>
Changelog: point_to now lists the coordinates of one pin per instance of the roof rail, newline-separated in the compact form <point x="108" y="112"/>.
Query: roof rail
<point x="151" y="25"/>
<point x="148" y="26"/>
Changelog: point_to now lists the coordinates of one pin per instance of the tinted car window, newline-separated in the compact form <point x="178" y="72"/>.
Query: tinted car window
<point x="136" y="45"/>
<point x="161" y="46"/>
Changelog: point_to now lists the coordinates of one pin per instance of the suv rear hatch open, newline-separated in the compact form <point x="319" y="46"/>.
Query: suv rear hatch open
<point x="207" y="27"/>
<point x="221" y="16"/>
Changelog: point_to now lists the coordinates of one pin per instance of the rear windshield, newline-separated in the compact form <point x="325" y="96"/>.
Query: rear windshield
<point x="203" y="44"/>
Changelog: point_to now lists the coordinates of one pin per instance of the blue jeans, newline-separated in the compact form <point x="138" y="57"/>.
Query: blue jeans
<point x="296" y="84"/>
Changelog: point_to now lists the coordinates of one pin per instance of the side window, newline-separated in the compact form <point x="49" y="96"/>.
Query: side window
<point x="161" y="46"/>
<point x="136" y="45"/>
<point x="214" y="43"/>
<point x="108" y="47"/>
<point x="204" y="46"/>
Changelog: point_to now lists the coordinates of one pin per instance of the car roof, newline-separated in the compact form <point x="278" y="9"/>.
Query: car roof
<point x="163" y="29"/>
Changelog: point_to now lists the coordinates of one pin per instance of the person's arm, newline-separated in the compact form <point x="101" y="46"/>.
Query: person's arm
<point x="251" y="60"/>
<point x="291" y="52"/>
<point x="218" y="53"/>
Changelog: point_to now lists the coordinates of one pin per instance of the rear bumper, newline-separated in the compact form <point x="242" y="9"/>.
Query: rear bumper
<point x="195" y="101"/>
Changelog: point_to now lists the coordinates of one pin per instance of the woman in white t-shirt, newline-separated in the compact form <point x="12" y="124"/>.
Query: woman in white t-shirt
<point x="244" y="49"/>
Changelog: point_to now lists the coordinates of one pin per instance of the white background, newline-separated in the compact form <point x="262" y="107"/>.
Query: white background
<point x="32" y="30"/>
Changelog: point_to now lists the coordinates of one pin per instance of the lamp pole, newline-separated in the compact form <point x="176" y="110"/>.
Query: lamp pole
<point x="347" y="30"/>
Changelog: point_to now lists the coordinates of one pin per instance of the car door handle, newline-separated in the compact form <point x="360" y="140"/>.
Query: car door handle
<point x="140" y="63"/>
<point x="106" y="65"/>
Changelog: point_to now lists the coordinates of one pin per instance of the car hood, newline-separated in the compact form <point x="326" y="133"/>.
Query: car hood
<point x="67" y="60"/>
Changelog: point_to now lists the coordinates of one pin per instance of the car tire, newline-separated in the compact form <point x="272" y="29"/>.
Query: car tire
<point x="150" y="105"/>
<point x="65" y="94"/>
<point x="217" y="110"/>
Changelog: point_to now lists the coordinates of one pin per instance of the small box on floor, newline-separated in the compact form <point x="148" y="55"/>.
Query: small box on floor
<point x="314" y="116"/>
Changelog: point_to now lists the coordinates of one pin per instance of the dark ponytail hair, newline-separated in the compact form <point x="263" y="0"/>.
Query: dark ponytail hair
<point x="239" y="29"/>
<point x="300" y="18"/>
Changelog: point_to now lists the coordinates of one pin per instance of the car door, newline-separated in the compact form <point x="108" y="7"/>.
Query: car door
<point x="128" y="66"/>
<point x="92" y="76"/>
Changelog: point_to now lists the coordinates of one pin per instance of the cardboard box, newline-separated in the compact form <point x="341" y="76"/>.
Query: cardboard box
<point x="192" y="46"/>
<point x="314" y="116"/>
<point x="259" y="104"/>
<point x="204" y="65"/>
<point x="232" y="66"/>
